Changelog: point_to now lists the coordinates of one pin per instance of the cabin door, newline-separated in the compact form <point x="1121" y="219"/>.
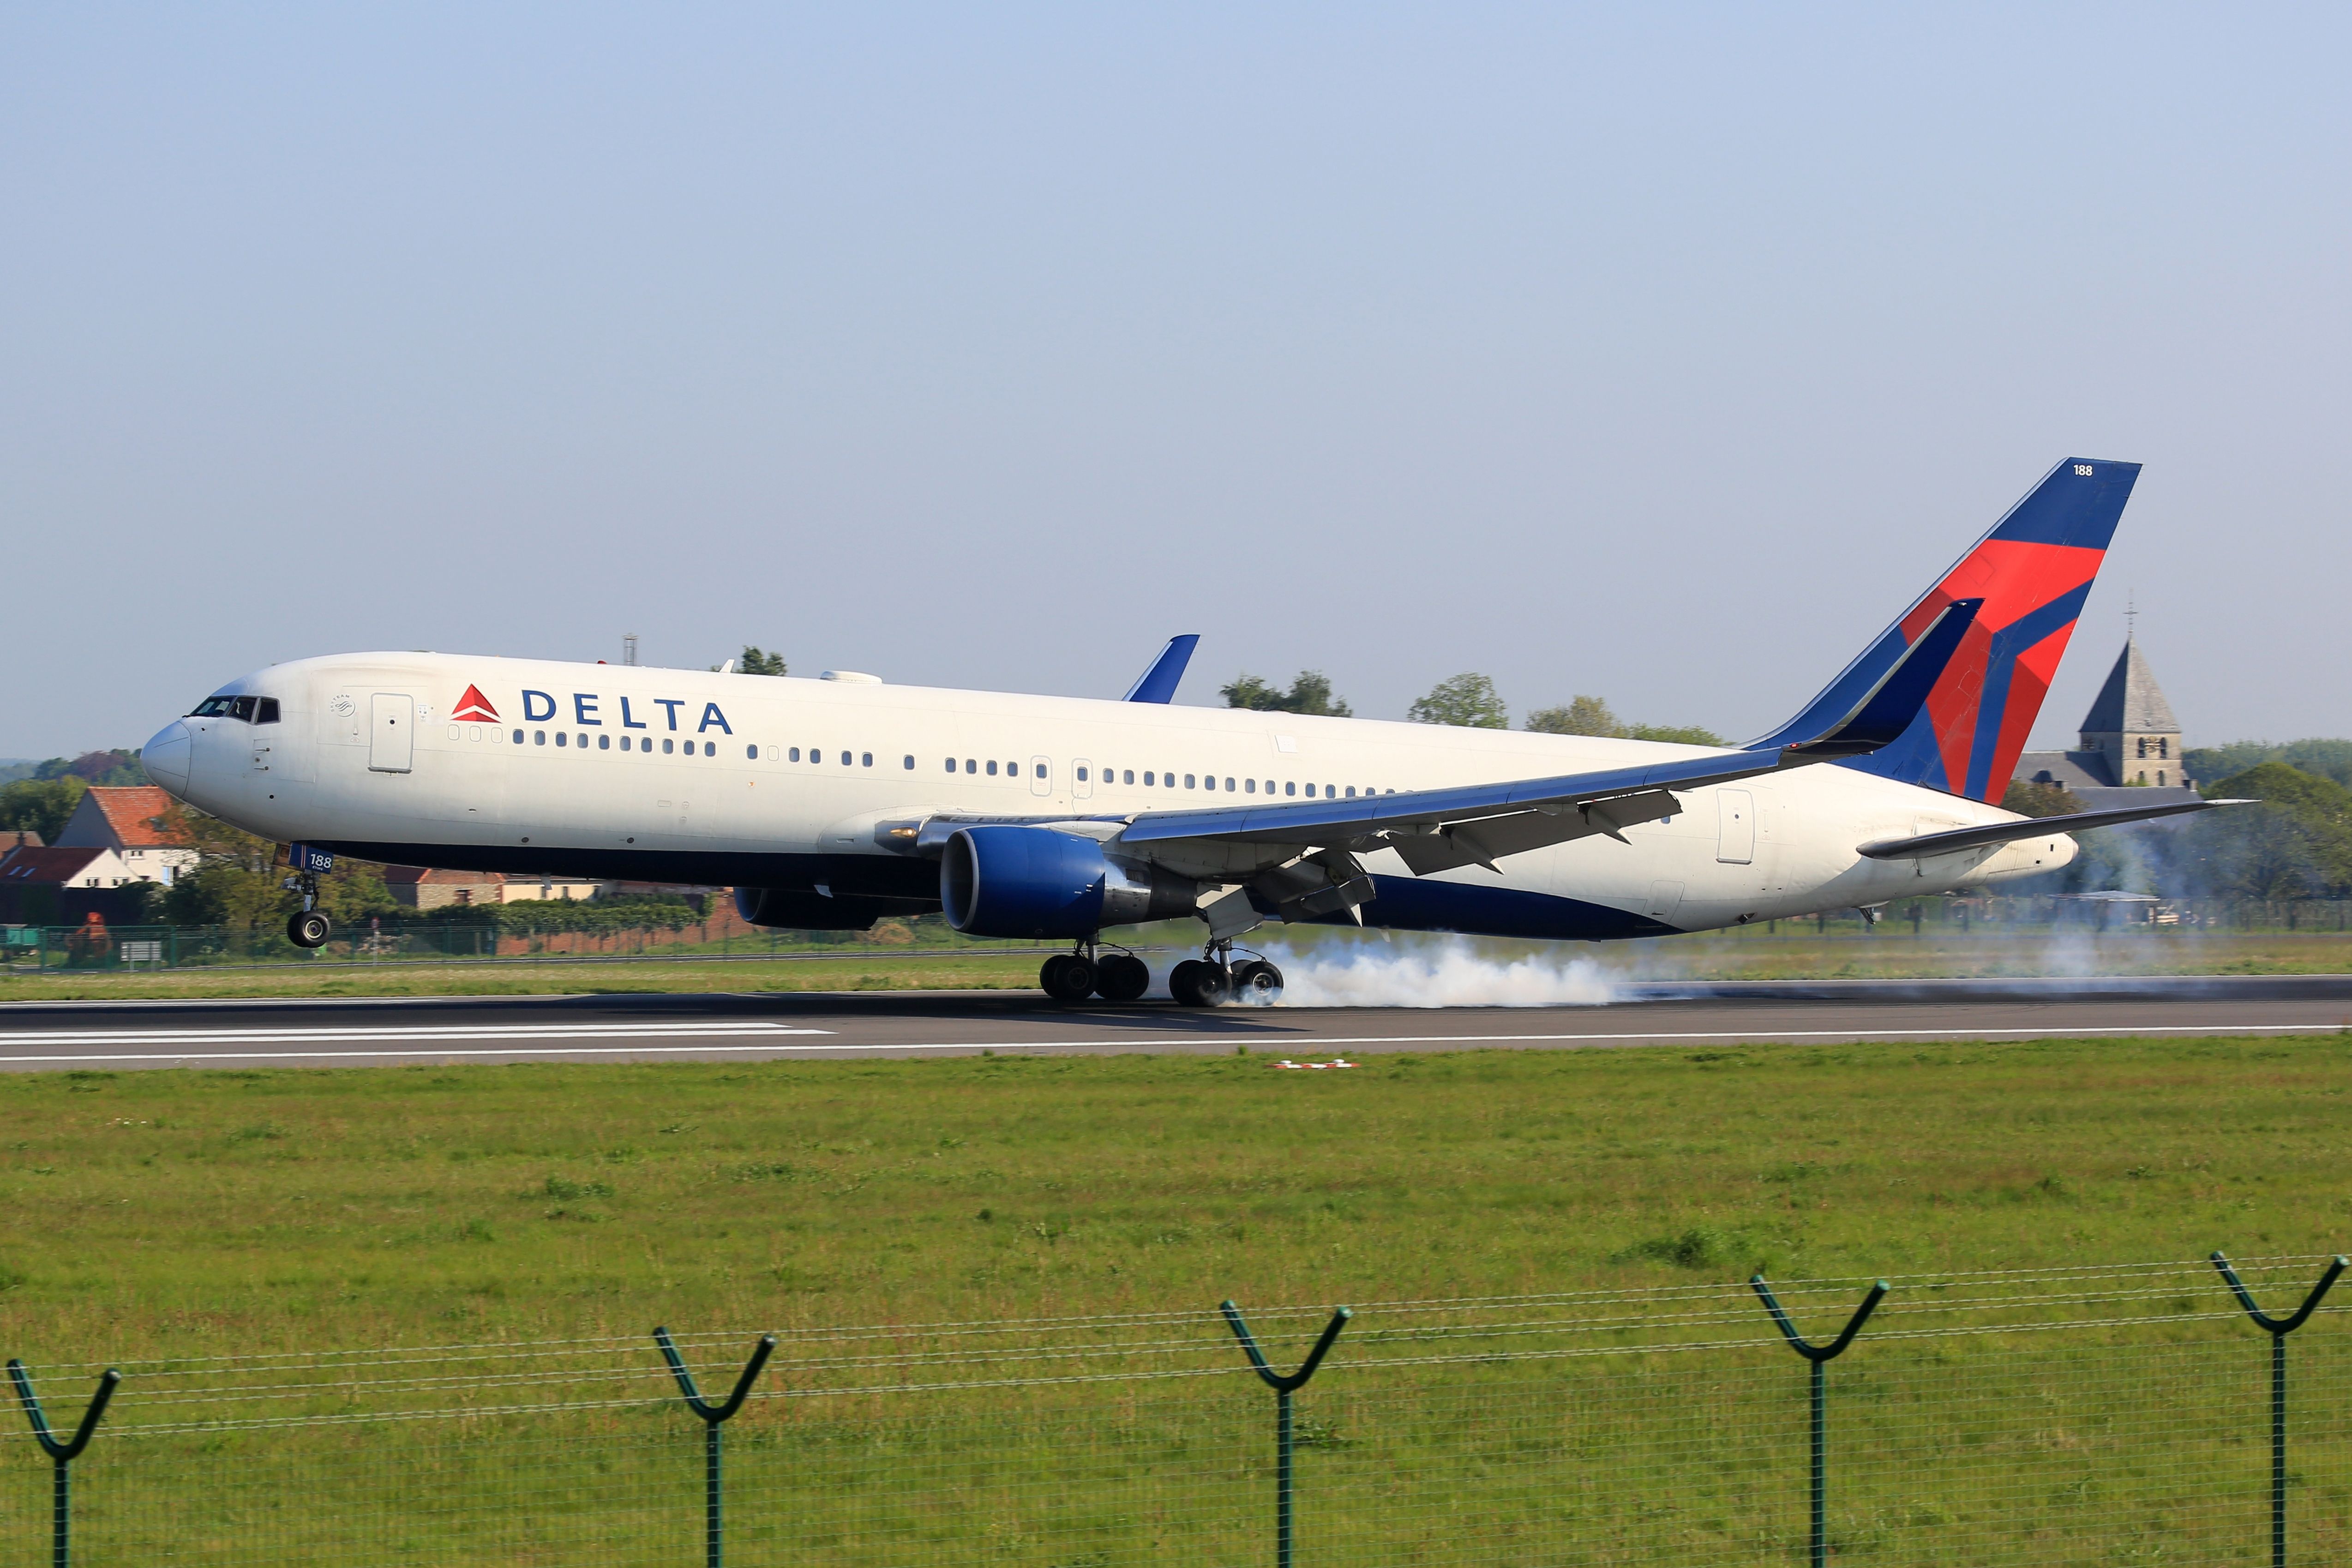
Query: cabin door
<point x="392" y="732"/>
<point x="1737" y="844"/>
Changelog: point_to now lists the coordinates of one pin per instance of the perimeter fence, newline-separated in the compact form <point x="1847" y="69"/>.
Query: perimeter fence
<point x="2059" y="1415"/>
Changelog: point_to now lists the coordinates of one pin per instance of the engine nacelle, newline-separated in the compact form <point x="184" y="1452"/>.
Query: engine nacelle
<point x="1037" y="882"/>
<point x="795" y="909"/>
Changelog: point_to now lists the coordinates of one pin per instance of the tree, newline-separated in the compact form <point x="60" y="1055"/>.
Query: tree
<point x="2027" y="799"/>
<point x="2297" y="843"/>
<point x="1583" y="716"/>
<point x="1309" y="694"/>
<point x="752" y="661"/>
<point x="1592" y="716"/>
<point x="1468" y="700"/>
<point x="40" y="804"/>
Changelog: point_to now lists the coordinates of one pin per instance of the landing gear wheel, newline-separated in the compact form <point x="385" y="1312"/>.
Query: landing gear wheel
<point x="1257" y="983"/>
<point x="1066" y="977"/>
<point x="307" y="928"/>
<point x="1121" y="977"/>
<point x="1196" y="983"/>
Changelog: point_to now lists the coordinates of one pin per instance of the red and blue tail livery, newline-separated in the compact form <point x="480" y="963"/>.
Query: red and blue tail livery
<point x="2032" y="572"/>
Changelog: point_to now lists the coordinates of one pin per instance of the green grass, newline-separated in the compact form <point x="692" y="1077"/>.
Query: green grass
<point x="273" y="1208"/>
<point x="185" y="1213"/>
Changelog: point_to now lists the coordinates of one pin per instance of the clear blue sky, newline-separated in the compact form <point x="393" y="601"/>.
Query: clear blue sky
<point x="1658" y="353"/>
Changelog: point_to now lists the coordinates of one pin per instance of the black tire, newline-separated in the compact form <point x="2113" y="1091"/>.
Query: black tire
<point x="307" y="928"/>
<point x="1121" y="977"/>
<point x="1211" y="987"/>
<point x="1066" y="977"/>
<point x="1257" y="983"/>
<point x="1180" y="982"/>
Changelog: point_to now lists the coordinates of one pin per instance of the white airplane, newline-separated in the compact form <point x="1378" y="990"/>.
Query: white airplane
<point x="830" y="803"/>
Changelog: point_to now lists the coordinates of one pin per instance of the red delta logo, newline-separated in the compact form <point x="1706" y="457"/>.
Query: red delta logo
<point x="474" y="705"/>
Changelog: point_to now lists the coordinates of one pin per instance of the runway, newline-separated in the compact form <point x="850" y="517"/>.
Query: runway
<point x="360" y="1032"/>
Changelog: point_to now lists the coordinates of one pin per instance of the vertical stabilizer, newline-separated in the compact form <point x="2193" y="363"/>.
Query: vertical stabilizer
<point x="2033" y="570"/>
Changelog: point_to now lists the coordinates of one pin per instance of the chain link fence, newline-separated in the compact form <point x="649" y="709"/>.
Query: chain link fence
<point x="2093" y="1416"/>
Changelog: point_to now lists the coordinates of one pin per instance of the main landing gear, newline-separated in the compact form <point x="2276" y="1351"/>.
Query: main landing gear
<point x="1213" y="979"/>
<point x="1075" y="976"/>
<point x="308" y="926"/>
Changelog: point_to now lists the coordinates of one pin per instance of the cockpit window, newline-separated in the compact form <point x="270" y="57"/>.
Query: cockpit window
<point x="252" y="709"/>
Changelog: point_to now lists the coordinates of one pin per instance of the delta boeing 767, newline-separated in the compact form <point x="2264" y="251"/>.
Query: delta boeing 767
<point x="831" y="803"/>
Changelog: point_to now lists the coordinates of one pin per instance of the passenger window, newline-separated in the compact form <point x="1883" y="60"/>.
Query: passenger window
<point x="1041" y="770"/>
<point x="992" y="768"/>
<point x="1249" y="786"/>
<point x="1147" y="775"/>
<point x="666" y="744"/>
<point x="910" y="762"/>
<point x="794" y="754"/>
<point x="604" y="742"/>
<point x="1187" y="782"/>
<point x="845" y="759"/>
<point x="868" y="759"/>
<point x="1351" y="792"/>
<point x="1330" y="793"/>
<point x="1291" y="788"/>
<point x="538" y="737"/>
<point x="751" y="753"/>
<point x="970" y="766"/>
<point x="1229" y="784"/>
<point x="1082" y="775"/>
<point x="951" y="767"/>
<point x="1012" y="770"/>
<point x="1129" y="777"/>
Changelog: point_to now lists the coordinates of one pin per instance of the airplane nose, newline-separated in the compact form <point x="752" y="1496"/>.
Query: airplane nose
<point x="165" y="758"/>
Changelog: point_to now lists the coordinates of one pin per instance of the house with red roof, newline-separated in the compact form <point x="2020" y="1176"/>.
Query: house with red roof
<point x="133" y="822"/>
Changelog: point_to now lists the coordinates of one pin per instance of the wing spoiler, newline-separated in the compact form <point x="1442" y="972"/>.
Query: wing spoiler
<point x="2028" y="828"/>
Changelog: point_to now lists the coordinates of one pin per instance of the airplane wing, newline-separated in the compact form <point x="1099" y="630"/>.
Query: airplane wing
<point x="1300" y="856"/>
<point x="1481" y="819"/>
<point x="1961" y="839"/>
<point x="1158" y="683"/>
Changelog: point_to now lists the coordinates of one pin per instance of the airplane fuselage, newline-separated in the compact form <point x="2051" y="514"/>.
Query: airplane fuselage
<point x="537" y="768"/>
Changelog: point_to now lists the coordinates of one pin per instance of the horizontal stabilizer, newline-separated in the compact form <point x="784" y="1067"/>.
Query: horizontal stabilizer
<point x="1158" y="683"/>
<point x="2029" y="828"/>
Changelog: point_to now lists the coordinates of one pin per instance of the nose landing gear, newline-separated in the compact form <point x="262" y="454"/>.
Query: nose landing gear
<point x="308" y="926"/>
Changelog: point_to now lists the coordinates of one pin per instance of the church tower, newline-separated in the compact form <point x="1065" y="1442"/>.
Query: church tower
<point x="2131" y="726"/>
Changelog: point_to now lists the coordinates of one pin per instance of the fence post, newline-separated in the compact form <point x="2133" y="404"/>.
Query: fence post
<point x="2278" y="1329"/>
<point x="1820" y="1356"/>
<point x="714" y="1527"/>
<point x="1284" y="1387"/>
<point x="62" y="1455"/>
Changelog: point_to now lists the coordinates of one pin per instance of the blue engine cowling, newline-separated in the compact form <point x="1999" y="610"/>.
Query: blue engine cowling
<point x="1037" y="882"/>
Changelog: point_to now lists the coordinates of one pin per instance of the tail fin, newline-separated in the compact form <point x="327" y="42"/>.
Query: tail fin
<point x="2032" y="570"/>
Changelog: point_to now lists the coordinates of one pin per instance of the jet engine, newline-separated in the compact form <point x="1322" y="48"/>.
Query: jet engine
<point x="1038" y="883"/>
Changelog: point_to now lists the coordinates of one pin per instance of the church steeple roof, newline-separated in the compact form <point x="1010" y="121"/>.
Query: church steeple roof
<point x="2131" y="702"/>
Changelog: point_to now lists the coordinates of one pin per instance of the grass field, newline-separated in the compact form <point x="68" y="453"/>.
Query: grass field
<point x="275" y="1208"/>
<point x="178" y="1215"/>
